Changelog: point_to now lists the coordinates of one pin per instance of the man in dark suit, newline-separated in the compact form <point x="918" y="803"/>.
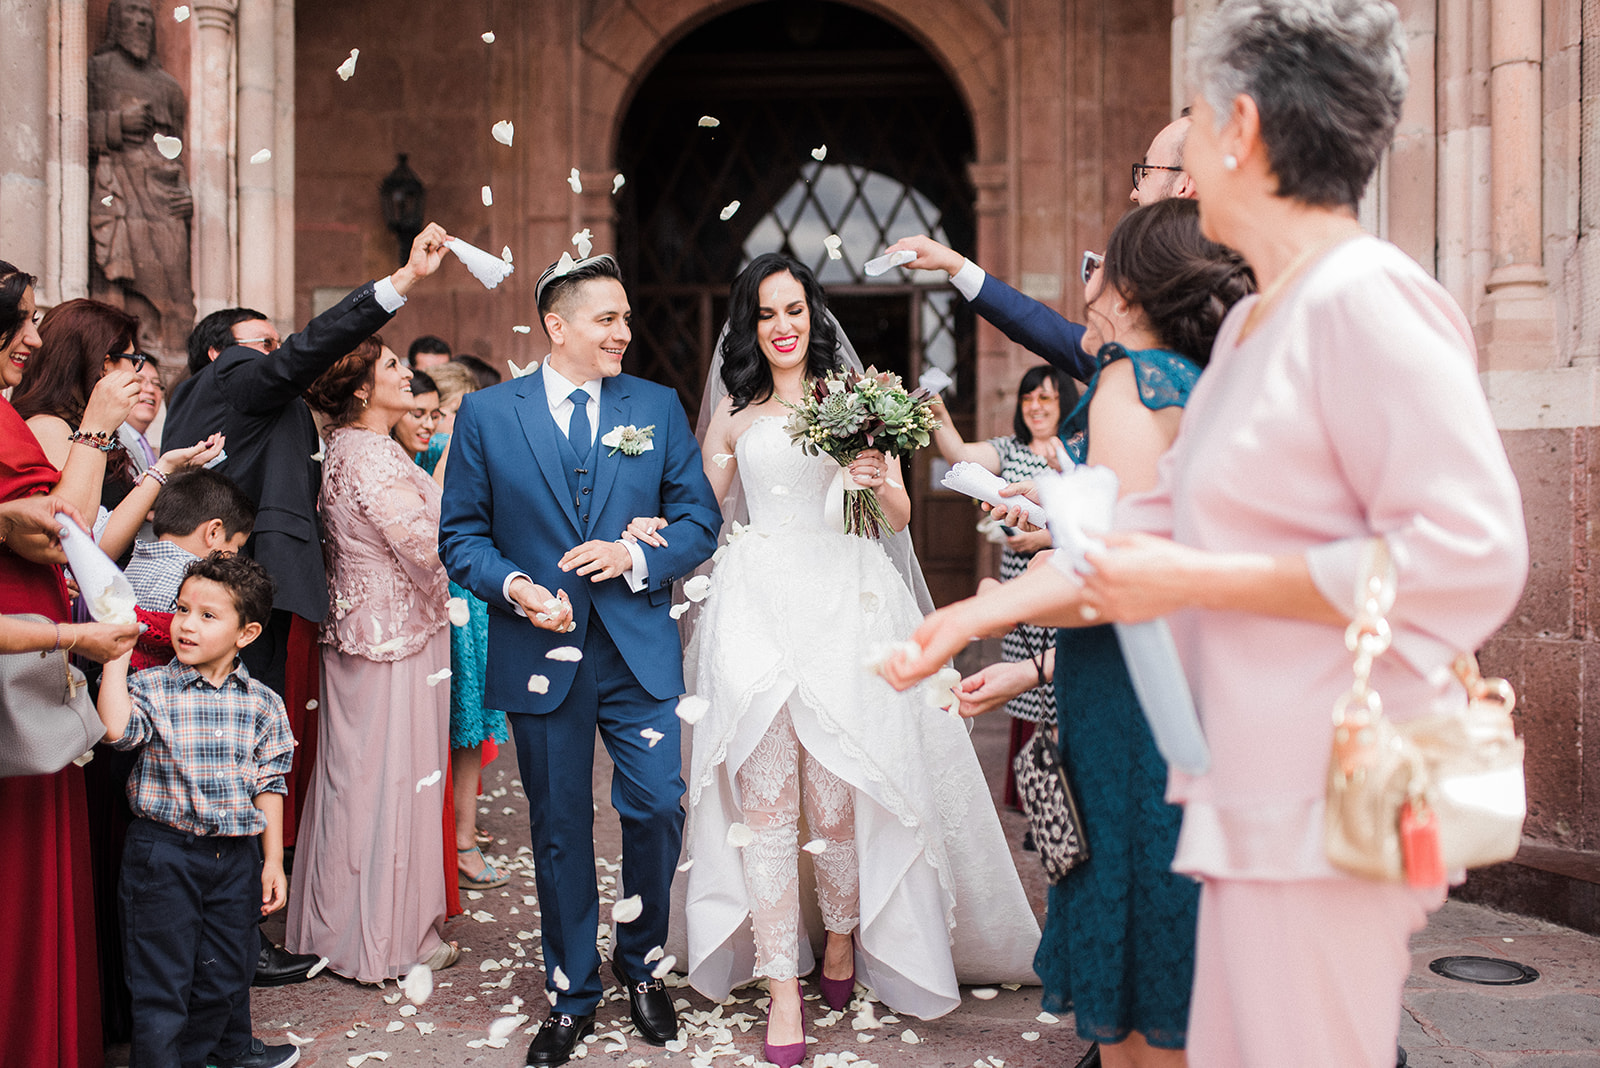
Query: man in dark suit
<point x="545" y="474"/>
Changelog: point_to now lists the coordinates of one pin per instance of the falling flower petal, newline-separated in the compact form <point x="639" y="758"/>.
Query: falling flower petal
<point x="584" y="241"/>
<point x="322" y="962"/>
<point x="740" y="835"/>
<point x="390" y="646"/>
<point x="559" y="978"/>
<point x="833" y="241"/>
<point x="502" y="1027"/>
<point x="709" y="122"/>
<point x="627" y="910"/>
<point x="460" y="612"/>
<point x="727" y="213"/>
<point x="866" y="1019"/>
<point x="819" y="153"/>
<point x="107" y="199"/>
<point x="1048" y="1018"/>
<point x="488" y="37"/>
<point x="317" y="456"/>
<point x="668" y="963"/>
<point x="691" y="708"/>
<point x="941" y="687"/>
<point x="438" y="676"/>
<point x="503" y="131"/>
<point x="575" y="181"/>
<point x="488" y="197"/>
<point x="570" y="653"/>
<point x="261" y="156"/>
<point x="538" y="684"/>
<point x="835" y="254"/>
<point x="652" y="736"/>
<point x="311" y="705"/>
<point x="677" y="610"/>
<point x="418" y="984"/>
<point x="429" y="780"/>
<point x="348" y="67"/>
<point x="617" y="183"/>
<point x="180" y="13"/>
<point x="655" y="954"/>
<point x="686" y="865"/>
<point x="169" y="147"/>
<point x="721" y="459"/>
<point x="697" y="588"/>
<point x="815" y="846"/>
<point x="985" y="993"/>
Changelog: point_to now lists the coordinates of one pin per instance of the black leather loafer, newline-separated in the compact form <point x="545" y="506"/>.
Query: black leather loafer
<point x="653" y="1013"/>
<point x="558" y="1036"/>
<point x="276" y="966"/>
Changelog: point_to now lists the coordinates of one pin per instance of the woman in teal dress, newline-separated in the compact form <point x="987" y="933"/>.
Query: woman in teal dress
<point x="1118" y="945"/>
<point x="471" y="724"/>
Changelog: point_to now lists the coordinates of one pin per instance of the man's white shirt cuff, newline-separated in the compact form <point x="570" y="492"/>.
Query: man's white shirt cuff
<point x="390" y="300"/>
<point x="637" y="576"/>
<point x="969" y="280"/>
<point x="505" y="587"/>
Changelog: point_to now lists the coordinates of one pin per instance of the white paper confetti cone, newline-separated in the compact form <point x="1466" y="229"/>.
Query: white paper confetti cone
<point x="487" y="268"/>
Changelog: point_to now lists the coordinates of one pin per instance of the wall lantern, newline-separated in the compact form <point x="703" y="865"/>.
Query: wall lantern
<point x="404" y="197"/>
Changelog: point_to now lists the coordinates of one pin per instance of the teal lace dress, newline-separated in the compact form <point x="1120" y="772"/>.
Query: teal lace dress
<point x="470" y="723"/>
<point x="1118" y="943"/>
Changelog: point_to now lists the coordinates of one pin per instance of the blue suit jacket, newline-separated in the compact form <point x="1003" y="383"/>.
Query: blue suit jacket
<point x="1035" y="326"/>
<point x="507" y="508"/>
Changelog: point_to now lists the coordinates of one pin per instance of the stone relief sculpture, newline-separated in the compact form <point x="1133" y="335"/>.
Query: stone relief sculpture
<point x="141" y="203"/>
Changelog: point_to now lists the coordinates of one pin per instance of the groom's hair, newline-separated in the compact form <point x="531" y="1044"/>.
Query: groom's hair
<point x="554" y="292"/>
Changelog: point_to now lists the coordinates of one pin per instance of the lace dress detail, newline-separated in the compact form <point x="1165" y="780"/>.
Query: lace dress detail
<point x="1118" y="944"/>
<point x="794" y="610"/>
<point x="381" y="514"/>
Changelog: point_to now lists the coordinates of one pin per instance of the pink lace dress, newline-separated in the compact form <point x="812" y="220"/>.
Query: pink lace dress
<point x="368" y="887"/>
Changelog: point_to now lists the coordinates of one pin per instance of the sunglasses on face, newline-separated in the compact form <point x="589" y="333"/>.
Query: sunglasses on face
<point x="1092" y="262"/>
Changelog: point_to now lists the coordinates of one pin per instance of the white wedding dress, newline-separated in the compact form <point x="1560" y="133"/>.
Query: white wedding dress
<point x="793" y="612"/>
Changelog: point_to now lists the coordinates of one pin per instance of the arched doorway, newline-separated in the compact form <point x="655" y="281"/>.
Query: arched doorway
<point x="784" y="81"/>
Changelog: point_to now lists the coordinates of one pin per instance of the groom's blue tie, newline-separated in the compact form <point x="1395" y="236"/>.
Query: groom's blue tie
<point x="578" y="430"/>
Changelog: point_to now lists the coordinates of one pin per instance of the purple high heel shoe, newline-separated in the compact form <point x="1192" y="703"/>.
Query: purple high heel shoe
<point x="838" y="993"/>
<point x="784" y="1056"/>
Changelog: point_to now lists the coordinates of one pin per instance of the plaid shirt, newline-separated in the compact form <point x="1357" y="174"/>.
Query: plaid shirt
<point x="209" y="750"/>
<point x="156" y="573"/>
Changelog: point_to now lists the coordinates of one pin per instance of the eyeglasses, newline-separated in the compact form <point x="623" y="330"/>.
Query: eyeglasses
<point x="1092" y="262"/>
<point x="138" y="359"/>
<point x="1141" y="171"/>
<point x="265" y="344"/>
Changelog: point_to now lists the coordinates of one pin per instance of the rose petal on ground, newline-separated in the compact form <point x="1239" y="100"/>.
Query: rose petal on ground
<point x="261" y="156"/>
<point x="697" y="587"/>
<point x="348" y="67"/>
<point x="408" y="1010"/>
<point x="575" y="180"/>
<point x="488" y="37"/>
<point x="627" y="910"/>
<point x="815" y="846"/>
<point x="503" y="131"/>
<point x="1030" y="1036"/>
<point x="728" y="212"/>
<point x="429" y="779"/>
<point x="909" y="1037"/>
<point x="322" y="962"/>
<point x="538" y="684"/>
<point x="677" y="610"/>
<point x="985" y="993"/>
<point x="617" y="183"/>
<point x="390" y="999"/>
<point x="438" y="676"/>
<point x="169" y="147"/>
<point x="866" y="1019"/>
<point x="296" y="1039"/>
<point x="460" y="612"/>
<point x="709" y="122"/>
<point x="502" y="1027"/>
<point x="570" y="653"/>
<point x="668" y="963"/>
<point x="692" y="708"/>
<point x="418" y="984"/>
<point x="490" y="965"/>
<point x="559" y="978"/>
<point x="652" y="736"/>
<point x="425" y="1028"/>
<point x="740" y="835"/>
<point x="1011" y="986"/>
<point x="1048" y="1018"/>
<point x="395" y="1025"/>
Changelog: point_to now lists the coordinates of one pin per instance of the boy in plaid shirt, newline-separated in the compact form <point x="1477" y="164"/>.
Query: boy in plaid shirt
<point x="204" y="856"/>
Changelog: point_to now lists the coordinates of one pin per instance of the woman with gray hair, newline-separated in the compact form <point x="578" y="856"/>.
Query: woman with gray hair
<point x="1342" y="404"/>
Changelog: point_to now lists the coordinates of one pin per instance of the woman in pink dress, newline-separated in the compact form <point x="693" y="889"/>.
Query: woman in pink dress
<point x="368" y="890"/>
<point x="1340" y="405"/>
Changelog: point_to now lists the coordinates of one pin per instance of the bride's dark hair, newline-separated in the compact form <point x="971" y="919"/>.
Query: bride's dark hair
<point x="744" y="369"/>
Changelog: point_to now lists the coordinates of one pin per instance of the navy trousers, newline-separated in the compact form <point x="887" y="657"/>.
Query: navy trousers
<point x="555" y="753"/>
<point x="189" y="909"/>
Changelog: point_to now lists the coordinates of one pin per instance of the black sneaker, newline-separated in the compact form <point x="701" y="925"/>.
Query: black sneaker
<point x="259" y="1055"/>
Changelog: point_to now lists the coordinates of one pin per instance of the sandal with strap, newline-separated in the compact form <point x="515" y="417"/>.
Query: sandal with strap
<point x="486" y="879"/>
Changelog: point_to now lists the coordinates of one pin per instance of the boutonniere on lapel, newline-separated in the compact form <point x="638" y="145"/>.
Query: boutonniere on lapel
<point x="630" y="440"/>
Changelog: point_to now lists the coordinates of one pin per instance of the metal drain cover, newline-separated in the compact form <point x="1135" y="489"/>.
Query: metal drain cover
<point x="1487" y="971"/>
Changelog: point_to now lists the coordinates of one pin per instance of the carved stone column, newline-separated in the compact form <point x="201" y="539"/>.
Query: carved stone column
<point x="211" y="155"/>
<point x="65" y="272"/>
<point x="258" y="208"/>
<point x="1516" y="329"/>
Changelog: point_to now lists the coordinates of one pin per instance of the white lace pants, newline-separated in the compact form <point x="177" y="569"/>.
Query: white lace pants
<point x="779" y="778"/>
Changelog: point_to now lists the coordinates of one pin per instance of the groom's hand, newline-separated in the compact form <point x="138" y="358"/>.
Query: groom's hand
<point x="544" y="610"/>
<point x="600" y="560"/>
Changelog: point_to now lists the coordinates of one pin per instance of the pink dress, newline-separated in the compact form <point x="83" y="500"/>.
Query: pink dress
<point x="368" y="889"/>
<point x="1353" y="409"/>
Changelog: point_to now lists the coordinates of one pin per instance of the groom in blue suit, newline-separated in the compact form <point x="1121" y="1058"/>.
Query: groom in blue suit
<point x="545" y="473"/>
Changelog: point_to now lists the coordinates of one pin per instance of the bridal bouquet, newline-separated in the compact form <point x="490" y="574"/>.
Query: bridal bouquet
<point x="849" y="412"/>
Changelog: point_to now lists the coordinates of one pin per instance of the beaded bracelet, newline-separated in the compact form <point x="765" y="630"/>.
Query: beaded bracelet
<point x="105" y="441"/>
<point x="157" y="475"/>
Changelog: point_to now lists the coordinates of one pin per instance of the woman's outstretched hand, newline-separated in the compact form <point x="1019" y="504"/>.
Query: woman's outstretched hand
<point x="994" y="685"/>
<point x="931" y="256"/>
<point x="175" y="460"/>
<point x="1139" y="577"/>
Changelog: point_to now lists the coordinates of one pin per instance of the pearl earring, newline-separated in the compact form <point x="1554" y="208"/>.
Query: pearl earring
<point x="1231" y="162"/>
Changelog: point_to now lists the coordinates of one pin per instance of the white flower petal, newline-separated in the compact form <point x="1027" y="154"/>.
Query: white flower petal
<point x="1048" y="1018"/>
<point x="575" y="181"/>
<point x="418" y="984"/>
<point x="311" y="705"/>
<point x="502" y="1027"/>
<point x="296" y="1040"/>
<point x="627" y="910"/>
<point x="538" y="684"/>
<point x="261" y="156"/>
<point x="438" y="676"/>
<point x="488" y="197"/>
<point x="559" y="978"/>
<point x="488" y="37"/>
<point x="815" y="846"/>
<point x="390" y="646"/>
<point x="655" y="954"/>
<point x="1030" y="1036"/>
<point x="940" y="688"/>
<point x="835" y="254"/>
<point x="504" y="131"/>
<point x="832" y="241"/>
<point x="819" y="153"/>
<point x="727" y="213"/>
<point x="505" y="253"/>
<point x="169" y="147"/>
<point x="686" y="865"/>
<point x="617" y="183"/>
<point x="985" y="993"/>
<point x="584" y="242"/>
<point x="490" y="965"/>
<point x="697" y="587"/>
<point x="322" y="962"/>
<point x="651" y="735"/>
<point x="570" y="653"/>
<point x="668" y="963"/>
<point x="180" y="13"/>
<point x="709" y="122"/>
<point x="740" y="835"/>
<point x="721" y="459"/>
<point x="425" y="1028"/>
<point x="348" y="67"/>
<point x="866" y="1019"/>
<point x="429" y="779"/>
<point x="909" y="1037"/>
<point x="107" y="199"/>
<point x="459" y="611"/>
<point x="691" y="708"/>
<point x="677" y="610"/>
<point x="396" y="1025"/>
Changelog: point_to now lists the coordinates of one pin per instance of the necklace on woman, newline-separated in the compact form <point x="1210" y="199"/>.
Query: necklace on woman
<point x="1275" y="289"/>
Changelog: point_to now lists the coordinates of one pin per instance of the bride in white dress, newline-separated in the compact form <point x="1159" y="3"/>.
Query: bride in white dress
<point x="915" y="883"/>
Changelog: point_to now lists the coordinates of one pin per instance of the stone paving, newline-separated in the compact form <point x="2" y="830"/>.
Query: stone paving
<point x="1553" y="1022"/>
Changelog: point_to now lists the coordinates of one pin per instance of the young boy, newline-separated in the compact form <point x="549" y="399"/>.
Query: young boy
<point x="207" y="797"/>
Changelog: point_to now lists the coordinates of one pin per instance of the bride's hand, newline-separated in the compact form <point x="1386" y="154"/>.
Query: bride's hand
<point x="869" y="468"/>
<point x="643" y="528"/>
<point x="994" y="686"/>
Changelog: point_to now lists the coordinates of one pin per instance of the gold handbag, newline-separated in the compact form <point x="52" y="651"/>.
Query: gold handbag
<point x="1418" y="800"/>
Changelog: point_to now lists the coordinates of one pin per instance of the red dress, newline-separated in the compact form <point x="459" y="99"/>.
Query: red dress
<point x="49" y="989"/>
